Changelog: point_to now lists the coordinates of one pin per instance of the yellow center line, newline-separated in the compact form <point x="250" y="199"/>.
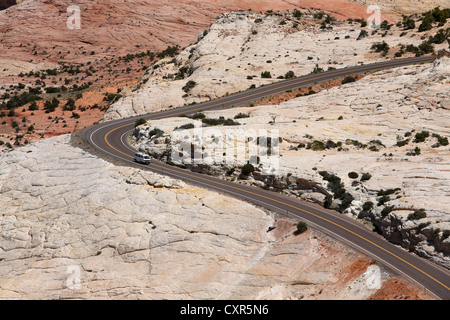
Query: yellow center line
<point x="269" y="198"/>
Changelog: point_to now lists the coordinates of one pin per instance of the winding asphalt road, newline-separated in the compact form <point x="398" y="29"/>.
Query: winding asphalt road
<point x="111" y="140"/>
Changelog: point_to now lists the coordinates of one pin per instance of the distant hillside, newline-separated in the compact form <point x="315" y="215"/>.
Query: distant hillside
<point x="5" y="4"/>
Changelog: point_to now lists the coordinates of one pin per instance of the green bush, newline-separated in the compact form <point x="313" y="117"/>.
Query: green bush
<point x="185" y="127"/>
<point x="197" y="116"/>
<point x="408" y="23"/>
<point x="241" y="116"/>
<point x="75" y="115"/>
<point x="402" y="143"/>
<point x="421" y="136"/>
<point x="155" y="132"/>
<point x="386" y="211"/>
<point x="301" y="227"/>
<point x="426" y="47"/>
<point x="348" y="79"/>
<point x="317" y="146"/>
<point x="189" y="85"/>
<point x="362" y="34"/>
<point x="140" y="122"/>
<point x="445" y="234"/>
<point x="353" y="175"/>
<point x="380" y="47"/>
<point x="367" y="206"/>
<point x="289" y="75"/>
<point x="266" y="74"/>
<point x="297" y="14"/>
<point x="426" y="23"/>
<point x="365" y="177"/>
<point x="328" y="201"/>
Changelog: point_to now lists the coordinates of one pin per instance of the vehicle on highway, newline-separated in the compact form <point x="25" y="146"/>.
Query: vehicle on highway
<point x="142" y="158"/>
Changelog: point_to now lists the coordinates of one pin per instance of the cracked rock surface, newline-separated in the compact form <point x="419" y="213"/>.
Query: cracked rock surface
<point x="75" y="226"/>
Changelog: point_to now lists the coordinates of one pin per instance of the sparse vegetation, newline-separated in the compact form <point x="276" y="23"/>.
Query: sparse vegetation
<point x="348" y="79"/>
<point x="301" y="227"/>
<point x="247" y="169"/>
<point x="189" y="86"/>
<point x="353" y="175"/>
<point x="140" y="122"/>
<point x="266" y="74"/>
<point x="417" y="215"/>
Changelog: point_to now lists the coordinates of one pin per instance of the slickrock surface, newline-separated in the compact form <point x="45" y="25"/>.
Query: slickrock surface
<point x="129" y="234"/>
<point x="369" y="126"/>
<point x="398" y="8"/>
<point x="121" y="27"/>
<point x="239" y="46"/>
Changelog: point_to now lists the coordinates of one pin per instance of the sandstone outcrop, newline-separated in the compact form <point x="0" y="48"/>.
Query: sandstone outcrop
<point x="76" y="227"/>
<point x="232" y="55"/>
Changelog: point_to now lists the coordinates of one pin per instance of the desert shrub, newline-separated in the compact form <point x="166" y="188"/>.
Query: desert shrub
<point x="353" y="175"/>
<point x="51" y="105"/>
<point x="421" y="136"/>
<point x="442" y="141"/>
<point x="317" y="146"/>
<point x="402" y="143"/>
<point x="380" y="47"/>
<point x="140" y="122"/>
<point x="367" y="206"/>
<point x="169" y="51"/>
<point x="348" y="79"/>
<point x="445" y="234"/>
<point x="297" y="14"/>
<point x="385" y="25"/>
<point x="289" y="75"/>
<point x="33" y="106"/>
<point x="75" y="115"/>
<point x="417" y="215"/>
<point x="155" y="132"/>
<point x="241" y="116"/>
<point x="386" y="211"/>
<point x="231" y="171"/>
<point x="185" y="127"/>
<point x="426" y="47"/>
<point x="426" y="23"/>
<point x="317" y="69"/>
<point x="198" y="115"/>
<point x="301" y="227"/>
<point x="346" y="200"/>
<point x="219" y="121"/>
<point x="328" y="201"/>
<point x="189" y="85"/>
<point x="266" y="74"/>
<point x="52" y="90"/>
<point x="366" y="176"/>
<point x="414" y="152"/>
<point x="70" y="105"/>
<point x="330" y="144"/>
<point x="408" y="23"/>
<point x="247" y="169"/>
<point x="440" y="36"/>
<point x="383" y="199"/>
<point x="387" y="192"/>
<point x="362" y="34"/>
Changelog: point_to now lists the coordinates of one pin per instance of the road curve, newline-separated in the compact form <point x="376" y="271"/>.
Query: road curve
<point x="110" y="139"/>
